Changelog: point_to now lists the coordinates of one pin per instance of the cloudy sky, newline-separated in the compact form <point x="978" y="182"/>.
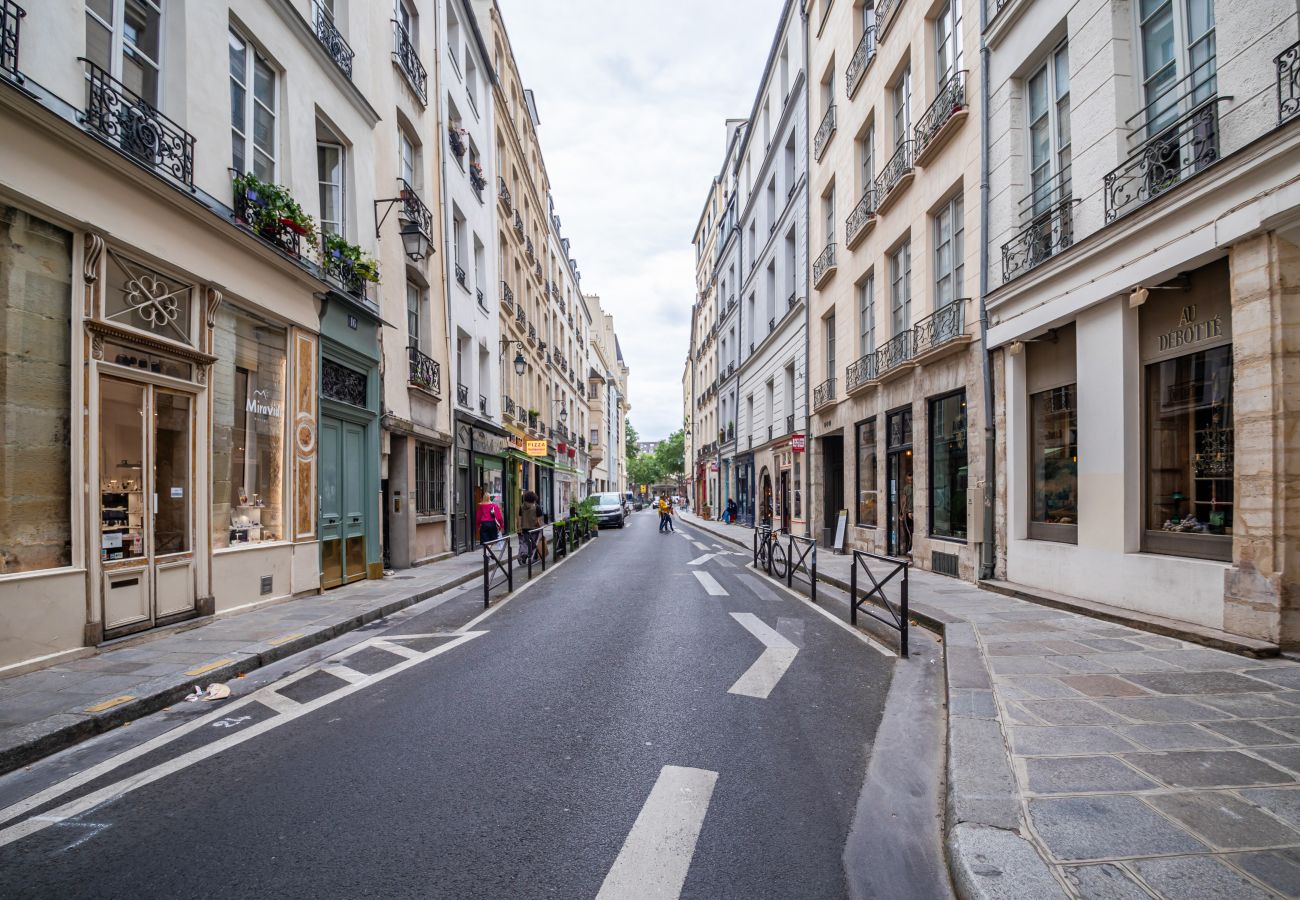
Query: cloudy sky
<point x="632" y="97"/>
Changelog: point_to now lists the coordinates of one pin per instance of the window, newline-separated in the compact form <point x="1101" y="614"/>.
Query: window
<point x="867" y="315"/>
<point x="948" y="466"/>
<point x="828" y="211"/>
<point x="829" y="325"/>
<point x="430" y="480"/>
<point x="867" y="157"/>
<point x="901" y="97"/>
<point x="947" y="42"/>
<point x="414" y="311"/>
<point x="329" y="175"/>
<point x="1049" y="132"/>
<point x="471" y="83"/>
<point x="35" y="394"/>
<point x="405" y="17"/>
<point x="866" y="473"/>
<point x="1050" y="375"/>
<point x="453" y="40"/>
<point x="124" y="38"/>
<point x="900" y="289"/>
<point x="949" y="267"/>
<point x="406" y="158"/>
<point x="1178" y="58"/>
<point x="252" y="112"/>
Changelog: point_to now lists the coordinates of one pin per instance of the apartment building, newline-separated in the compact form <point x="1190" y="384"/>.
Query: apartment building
<point x="898" y="411"/>
<point x="704" y="426"/>
<point x="607" y="401"/>
<point x="1143" y="226"/>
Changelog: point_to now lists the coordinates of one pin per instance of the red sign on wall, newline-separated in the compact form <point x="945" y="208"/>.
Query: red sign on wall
<point x="796" y="443"/>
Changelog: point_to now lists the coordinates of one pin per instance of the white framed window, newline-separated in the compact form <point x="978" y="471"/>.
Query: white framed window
<point x="947" y="42"/>
<point x="406" y="158"/>
<point x="1179" y="71"/>
<point x="867" y="157"/>
<point x="414" y="314"/>
<point x="253" y="104"/>
<point x="405" y="16"/>
<point x="949" y="267"/>
<point x="124" y="38"/>
<point x="828" y="209"/>
<point x="901" y="98"/>
<point x="867" y="315"/>
<point x="900" y="289"/>
<point x="471" y="83"/>
<point x="829" y="324"/>
<point x="329" y="177"/>
<point x="1048" y="97"/>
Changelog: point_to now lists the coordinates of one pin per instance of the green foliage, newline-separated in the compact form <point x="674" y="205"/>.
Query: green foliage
<point x="644" y="469"/>
<point x="632" y="439"/>
<point x="338" y="247"/>
<point x="671" y="454"/>
<point x="271" y="206"/>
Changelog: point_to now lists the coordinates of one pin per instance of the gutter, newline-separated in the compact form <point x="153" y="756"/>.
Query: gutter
<point x="987" y="546"/>
<point x="807" y="305"/>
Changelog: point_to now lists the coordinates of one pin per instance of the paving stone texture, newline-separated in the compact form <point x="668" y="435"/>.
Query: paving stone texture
<point x="1136" y="765"/>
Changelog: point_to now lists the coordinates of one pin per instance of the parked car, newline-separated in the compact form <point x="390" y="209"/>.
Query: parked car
<point x="609" y="510"/>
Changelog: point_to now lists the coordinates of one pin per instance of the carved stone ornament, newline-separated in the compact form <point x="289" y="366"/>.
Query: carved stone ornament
<point x="214" y="298"/>
<point x="97" y="346"/>
<point x="94" y="250"/>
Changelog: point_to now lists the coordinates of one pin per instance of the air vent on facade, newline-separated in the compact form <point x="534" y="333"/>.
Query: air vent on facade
<point x="267" y="581"/>
<point x="943" y="563"/>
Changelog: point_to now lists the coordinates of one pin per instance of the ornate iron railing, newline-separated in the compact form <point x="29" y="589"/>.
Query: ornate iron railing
<point x="456" y="142"/>
<point x="824" y="393"/>
<point x="462" y="395"/>
<point x="331" y="38"/>
<point x="528" y="249"/>
<point x="943" y="325"/>
<point x="861" y="61"/>
<point x="771" y="325"/>
<point x="1288" y="83"/>
<point x="477" y="180"/>
<point x="503" y="194"/>
<point x="789" y="424"/>
<point x="508" y="406"/>
<point x="791" y="301"/>
<point x="482" y="404"/>
<point x="507" y="297"/>
<point x="824" y="132"/>
<point x="460" y="276"/>
<point x="278" y="233"/>
<point x="537" y="269"/>
<point x="995" y="7"/>
<point x="11" y="20"/>
<point x="532" y="334"/>
<point x="519" y="224"/>
<point x="414" y="210"/>
<point x="1189" y="145"/>
<point x="1047" y="235"/>
<point x="342" y="270"/>
<point x="862" y="214"/>
<point x="520" y="316"/>
<point x="408" y="60"/>
<point x="860" y="372"/>
<point x="824" y="263"/>
<point x="950" y="101"/>
<point x="893" y="172"/>
<point x="125" y="121"/>
<point x="478" y="295"/>
<point x="896" y="351"/>
<point x="424" y="371"/>
<point x="885" y="12"/>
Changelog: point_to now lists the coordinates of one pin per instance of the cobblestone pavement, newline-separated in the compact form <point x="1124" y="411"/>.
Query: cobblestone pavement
<point x="1135" y="764"/>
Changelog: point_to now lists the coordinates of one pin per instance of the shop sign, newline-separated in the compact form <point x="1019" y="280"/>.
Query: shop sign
<point x="535" y="448"/>
<point x="797" y="443"/>
<point x="259" y="404"/>
<point x="714" y="467"/>
<point x="1190" y="330"/>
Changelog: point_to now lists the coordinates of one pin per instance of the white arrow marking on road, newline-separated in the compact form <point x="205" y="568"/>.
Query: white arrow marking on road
<point x="767" y="670"/>
<point x="703" y="559"/>
<point x="711" y="585"/>
<point x="658" y="850"/>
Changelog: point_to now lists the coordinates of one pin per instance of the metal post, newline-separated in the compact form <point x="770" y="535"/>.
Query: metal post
<point x="853" y="590"/>
<point x="902" y="630"/>
<point x="510" y="566"/>
<point x="814" y="574"/>
<point x="789" y="562"/>
<point x="531" y="551"/>
<point x="486" y="591"/>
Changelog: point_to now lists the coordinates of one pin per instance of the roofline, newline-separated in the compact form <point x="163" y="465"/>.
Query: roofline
<point x="767" y="68"/>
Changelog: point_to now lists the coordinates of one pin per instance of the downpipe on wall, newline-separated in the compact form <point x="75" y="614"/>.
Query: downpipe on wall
<point x="987" y="547"/>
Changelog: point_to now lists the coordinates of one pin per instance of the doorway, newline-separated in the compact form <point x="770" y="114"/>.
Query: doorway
<point x="342" y="501"/>
<point x="900" y="489"/>
<point x="784" y="481"/>
<point x="832" y="480"/>
<point x="146" y="505"/>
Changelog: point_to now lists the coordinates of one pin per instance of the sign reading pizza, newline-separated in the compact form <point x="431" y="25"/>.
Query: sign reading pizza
<point x="535" y="448"/>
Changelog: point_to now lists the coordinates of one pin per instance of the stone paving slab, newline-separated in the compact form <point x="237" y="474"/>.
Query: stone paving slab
<point x="1136" y="765"/>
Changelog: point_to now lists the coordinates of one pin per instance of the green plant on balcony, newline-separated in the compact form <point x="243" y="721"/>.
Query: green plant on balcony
<point x="270" y="209"/>
<point x="339" y="252"/>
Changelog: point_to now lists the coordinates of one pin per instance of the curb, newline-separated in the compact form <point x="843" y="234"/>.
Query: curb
<point x="58" y="732"/>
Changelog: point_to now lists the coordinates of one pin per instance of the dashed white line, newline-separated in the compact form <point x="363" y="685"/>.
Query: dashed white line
<point x="778" y="654"/>
<point x="711" y="585"/>
<point x="701" y="560"/>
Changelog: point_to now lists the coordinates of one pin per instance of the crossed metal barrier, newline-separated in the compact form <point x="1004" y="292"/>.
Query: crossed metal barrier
<point x="798" y="558"/>
<point x="897" y="614"/>
<point x="496" y="562"/>
<point x="528" y="549"/>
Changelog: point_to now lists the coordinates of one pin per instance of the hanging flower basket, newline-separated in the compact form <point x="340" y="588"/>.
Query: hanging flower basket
<point x="561" y="447"/>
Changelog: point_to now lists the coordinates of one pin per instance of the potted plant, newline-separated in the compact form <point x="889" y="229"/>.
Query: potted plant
<point x="269" y="209"/>
<point x="339" y="254"/>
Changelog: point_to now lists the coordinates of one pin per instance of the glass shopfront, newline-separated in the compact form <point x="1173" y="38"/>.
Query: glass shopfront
<point x="35" y="393"/>
<point x="248" y="429"/>
<point x="1053" y="437"/>
<point x="867" y="474"/>
<point x="948" y="466"/>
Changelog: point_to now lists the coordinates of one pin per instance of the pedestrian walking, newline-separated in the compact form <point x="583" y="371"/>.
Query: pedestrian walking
<point x="530" y="519"/>
<point x="488" y="517"/>
<point x="663" y="506"/>
<point x="668" y="515"/>
<point x="730" y="518"/>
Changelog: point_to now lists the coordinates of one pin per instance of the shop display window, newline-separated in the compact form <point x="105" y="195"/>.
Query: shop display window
<point x="1054" y="465"/>
<point x="248" y="427"/>
<point x="948" y="466"/>
<point x="867" y="474"/>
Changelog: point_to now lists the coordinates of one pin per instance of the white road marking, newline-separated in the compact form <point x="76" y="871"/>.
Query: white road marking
<point x="865" y="638"/>
<point x="699" y="546"/>
<point x="701" y="560"/>
<point x="711" y="585"/>
<point x="351" y="676"/>
<point x="397" y="649"/>
<point x="657" y="853"/>
<point x="778" y="654"/>
<point x="278" y="702"/>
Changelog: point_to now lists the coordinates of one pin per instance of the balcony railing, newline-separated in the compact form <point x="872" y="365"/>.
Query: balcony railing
<point x="771" y="325"/>
<point x="863" y="215"/>
<point x="946" y="323"/>
<point x="1187" y="146"/>
<point x="11" y="20"/>
<point x="824" y="265"/>
<point x="861" y="61"/>
<point x="281" y="234"/>
<point x="482" y="405"/>
<point x="507" y="407"/>
<point x="1288" y="83"/>
<point x="343" y="270"/>
<point x="885" y="12"/>
<point x="507" y="298"/>
<point x="462" y="395"/>
<point x="532" y="334"/>
<point x="950" y="101"/>
<point x="824" y="393"/>
<point x="537" y="269"/>
<point x="789" y="421"/>
<point x="457" y="142"/>
<point x="477" y="180"/>
<point x="1047" y="235"/>
<point x="460" y="276"/>
<point x="894" y="172"/>
<point x="503" y="193"/>
<point x="331" y="38"/>
<point x="860" y="372"/>
<point x="824" y="132"/>
<point x="519" y="224"/>
<point x="520" y="316"/>
<point x="425" y="372"/>
<point x="897" y="350"/>
<point x="414" y="211"/>
<point x="125" y="121"/>
<point x="408" y="60"/>
<point x="528" y="249"/>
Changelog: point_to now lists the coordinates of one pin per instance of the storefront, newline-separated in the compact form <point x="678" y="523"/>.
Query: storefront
<point x="481" y="466"/>
<point x="745" y="489"/>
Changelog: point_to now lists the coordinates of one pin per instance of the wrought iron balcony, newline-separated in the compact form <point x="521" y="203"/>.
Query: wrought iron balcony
<point x="824" y="132"/>
<point x="945" y="324"/>
<point x="895" y="352"/>
<point x="282" y="234"/>
<point x="408" y="60"/>
<point x="1187" y="146"/>
<point x="886" y="10"/>
<point x="528" y="249"/>
<point x="520" y="316"/>
<point x="519" y="224"/>
<point x="460" y="277"/>
<point x="482" y="404"/>
<point x="11" y="20"/>
<point x="331" y="38"/>
<point x="413" y="210"/>
<point x="860" y="372"/>
<point x="342" y="270"/>
<point x="860" y="62"/>
<point x="895" y="174"/>
<point x="532" y="334"/>
<point x="424" y="372"/>
<point x="1048" y="234"/>
<point x="824" y="393"/>
<point x="731" y="431"/>
<point x="771" y="325"/>
<point x="791" y="301"/>
<point x="863" y="215"/>
<point x="537" y="269"/>
<point x="789" y="422"/>
<point x="507" y="297"/>
<point x="126" y="122"/>
<point x="995" y="7"/>
<point x="477" y="180"/>
<point x="503" y="194"/>
<point x="457" y="142"/>
<point x="462" y="395"/>
<point x="947" y="109"/>
<point x="507" y="406"/>
<point x="824" y="265"/>
<point x="478" y="295"/>
<point x="1288" y="83"/>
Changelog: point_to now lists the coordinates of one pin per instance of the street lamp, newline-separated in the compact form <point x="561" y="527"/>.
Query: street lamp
<point x="520" y="364"/>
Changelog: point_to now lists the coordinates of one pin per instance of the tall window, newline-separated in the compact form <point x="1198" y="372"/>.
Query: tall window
<point x="1178" y="58"/>
<point x="1049" y="131"/>
<point x="867" y="157"/>
<point x="948" y="466"/>
<point x="1050" y="375"/>
<point x="252" y="110"/>
<point x="828" y="208"/>
<point x="124" y="38"/>
<point x="867" y="315"/>
<point x="430" y="480"/>
<point x="406" y="158"/>
<point x="405" y="17"/>
<point x="329" y="175"/>
<point x="900" y="289"/>
<point x="867" y="473"/>
<point x="947" y="42"/>
<point x="830" y="345"/>
<point x="414" y="305"/>
<point x="948" y="265"/>
<point x="901" y="97"/>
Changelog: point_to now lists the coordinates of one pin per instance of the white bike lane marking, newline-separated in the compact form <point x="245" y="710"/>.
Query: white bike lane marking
<point x="778" y="653"/>
<point x="701" y="560"/>
<point x="711" y="584"/>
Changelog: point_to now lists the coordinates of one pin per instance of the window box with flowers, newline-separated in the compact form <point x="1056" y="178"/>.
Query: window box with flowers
<point x="456" y="137"/>
<point x="347" y="264"/>
<point x="272" y="213"/>
<point x="477" y="179"/>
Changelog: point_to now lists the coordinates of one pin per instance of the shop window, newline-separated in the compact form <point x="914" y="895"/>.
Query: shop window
<point x="867" y="474"/>
<point x="948" y="466"/>
<point x="1053" y="436"/>
<point x="35" y="394"/>
<point x="248" y="423"/>
<point x="430" y="480"/>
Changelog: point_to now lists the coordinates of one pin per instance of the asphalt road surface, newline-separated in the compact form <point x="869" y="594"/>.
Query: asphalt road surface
<point x="648" y="719"/>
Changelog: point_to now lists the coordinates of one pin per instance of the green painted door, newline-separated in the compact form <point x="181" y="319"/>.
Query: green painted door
<point x="331" y="502"/>
<point x="353" y="525"/>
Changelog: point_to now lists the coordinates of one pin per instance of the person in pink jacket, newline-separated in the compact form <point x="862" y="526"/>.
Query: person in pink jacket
<point x="488" y="518"/>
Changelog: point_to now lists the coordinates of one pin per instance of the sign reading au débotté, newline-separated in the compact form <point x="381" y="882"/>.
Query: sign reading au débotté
<point x="535" y="448"/>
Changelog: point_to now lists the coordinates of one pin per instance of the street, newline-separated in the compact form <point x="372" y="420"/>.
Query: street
<point x="647" y="719"/>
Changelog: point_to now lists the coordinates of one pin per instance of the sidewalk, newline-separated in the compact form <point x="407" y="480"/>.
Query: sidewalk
<point x="43" y="711"/>
<point x="1089" y="759"/>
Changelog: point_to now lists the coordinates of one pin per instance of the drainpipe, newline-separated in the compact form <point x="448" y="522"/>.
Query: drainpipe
<point x="987" y="547"/>
<point x="807" y="287"/>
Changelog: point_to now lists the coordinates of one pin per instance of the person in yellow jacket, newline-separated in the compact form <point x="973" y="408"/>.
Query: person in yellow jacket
<point x="666" y="514"/>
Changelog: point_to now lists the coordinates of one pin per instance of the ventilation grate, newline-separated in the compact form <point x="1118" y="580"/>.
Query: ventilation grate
<point x="943" y="563"/>
<point x="267" y="581"/>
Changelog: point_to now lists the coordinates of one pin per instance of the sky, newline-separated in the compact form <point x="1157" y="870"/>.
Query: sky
<point x="633" y="98"/>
